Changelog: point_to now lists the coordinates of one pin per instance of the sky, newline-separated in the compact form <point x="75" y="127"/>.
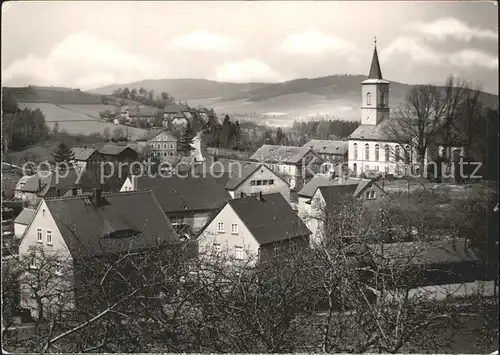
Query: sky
<point x="91" y="44"/>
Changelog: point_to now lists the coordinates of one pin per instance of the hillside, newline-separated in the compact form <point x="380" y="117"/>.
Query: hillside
<point x="337" y="95"/>
<point x="53" y="95"/>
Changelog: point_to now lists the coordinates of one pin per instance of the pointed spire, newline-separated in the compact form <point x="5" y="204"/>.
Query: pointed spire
<point x="375" y="72"/>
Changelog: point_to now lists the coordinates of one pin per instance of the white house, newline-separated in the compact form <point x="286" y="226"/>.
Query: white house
<point x="252" y="228"/>
<point x="294" y="164"/>
<point x="251" y="178"/>
<point x="160" y="142"/>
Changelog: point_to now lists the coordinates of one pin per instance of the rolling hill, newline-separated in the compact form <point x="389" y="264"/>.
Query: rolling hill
<point x="338" y="95"/>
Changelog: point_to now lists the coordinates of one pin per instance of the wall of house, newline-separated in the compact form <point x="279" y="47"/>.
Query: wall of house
<point x="227" y="240"/>
<point x="44" y="220"/>
<point x="195" y="220"/>
<point x="248" y="188"/>
<point x="19" y="230"/>
<point x="271" y="250"/>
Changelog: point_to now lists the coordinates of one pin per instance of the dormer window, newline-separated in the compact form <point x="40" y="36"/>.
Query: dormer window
<point x="368" y="99"/>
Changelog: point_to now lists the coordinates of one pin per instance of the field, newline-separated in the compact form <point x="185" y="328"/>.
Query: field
<point x="55" y="95"/>
<point x="78" y="119"/>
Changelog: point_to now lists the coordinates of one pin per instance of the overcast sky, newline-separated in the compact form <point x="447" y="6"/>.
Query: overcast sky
<point x="91" y="44"/>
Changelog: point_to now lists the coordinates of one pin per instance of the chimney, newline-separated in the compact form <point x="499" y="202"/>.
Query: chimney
<point x="259" y="197"/>
<point x="96" y="196"/>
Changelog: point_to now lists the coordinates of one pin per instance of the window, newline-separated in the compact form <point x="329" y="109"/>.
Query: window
<point x="370" y="195"/>
<point x="39" y="238"/>
<point x="48" y="235"/>
<point x="152" y="145"/>
<point x="376" y="168"/>
<point x="398" y="154"/>
<point x="238" y="252"/>
<point x="171" y="146"/>
<point x="367" y="151"/>
<point x="217" y="248"/>
<point x="382" y="99"/>
<point x="264" y="182"/>
<point x="164" y="154"/>
<point x="252" y="183"/>
<point x="158" y="146"/>
<point x="386" y="169"/>
<point x="376" y="152"/>
<point x="165" y="146"/>
<point x="367" y="167"/>
<point x="234" y="228"/>
<point x="220" y="227"/>
<point x="368" y="99"/>
<point x="259" y="182"/>
<point x="33" y="261"/>
<point x="275" y="249"/>
<point x="59" y="268"/>
<point x="355" y="148"/>
<point x="271" y="182"/>
<point x="289" y="170"/>
<point x="171" y="154"/>
<point x="43" y="212"/>
<point x="387" y="152"/>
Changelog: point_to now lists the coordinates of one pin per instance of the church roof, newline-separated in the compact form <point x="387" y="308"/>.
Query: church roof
<point x="375" y="71"/>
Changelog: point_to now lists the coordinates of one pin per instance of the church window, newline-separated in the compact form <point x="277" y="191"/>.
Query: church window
<point x="355" y="151"/>
<point x="382" y="99"/>
<point x="368" y="99"/>
<point x="387" y="152"/>
<point x="376" y="152"/>
<point x="367" y="151"/>
<point x="398" y="153"/>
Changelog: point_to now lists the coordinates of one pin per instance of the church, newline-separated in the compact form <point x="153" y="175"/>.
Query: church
<point x="369" y="149"/>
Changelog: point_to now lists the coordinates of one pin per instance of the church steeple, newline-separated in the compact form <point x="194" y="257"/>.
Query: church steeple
<point x="375" y="72"/>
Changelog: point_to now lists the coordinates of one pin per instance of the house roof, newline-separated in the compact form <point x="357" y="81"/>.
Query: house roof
<point x="375" y="71"/>
<point x="247" y="169"/>
<point x="144" y="111"/>
<point x="34" y="183"/>
<point x="116" y="225"/>
<point x="372" y="132"/>
<point x="111" y="149"/>
<point x="423" y="253"/>
<point x="60" y="185"/>
<point x="319" y="180"/>
<point x="271" y="219"/>
<point x="181" y="194"/>
<point x="280" y="153"/>
<point x="152" y="133"/>
<point x="25" y="216"/>
<point x="82" y="154"/>
<point x="175" y="108"/>
<point x="328" y="146"/>
<point x="335" y="194"/>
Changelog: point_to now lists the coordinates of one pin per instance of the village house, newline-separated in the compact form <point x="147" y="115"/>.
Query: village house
<point x="256" y="227"/>
<point x="177" y="114"/>
<point x="22" y="221"/>
<point x="252" y="179"/>
<point x="294" y="164"/>
<point x="84" y="157"/>
<point x="159" y="143"/>
<point x="371" y="150"/>
<point x="118" y="153"/>
<point x="31" y="188"/>
<point x="80" y="228"/>
<point x="333" y="152"/>
<point x="141" y="113"/>
<point x="184" y="199"/>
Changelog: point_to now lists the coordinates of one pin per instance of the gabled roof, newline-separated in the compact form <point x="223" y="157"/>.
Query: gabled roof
<point x="115" y="225"/>
<point x="423" y="253"/>
<point x="34" y="183"/>
<point x="333" y="195"/>
<point x="181" y="194"/>
<point x="247" y="169"/>
<point x="372" y="132"/>
<point x="271" y="219"/>
<point x="319" y="180"/>
<point x="111" y="149"/>
<point x="25" y="216"/>
<point x="280" y="153"/>
<point x="153" y="133"/>
<point x="82" y="154"/>
<point x="328" y="146"/>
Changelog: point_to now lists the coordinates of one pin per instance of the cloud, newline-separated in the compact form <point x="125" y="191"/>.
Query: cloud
<point x="420" y="52"/>
<point x="472" y="57"/>
<point x="449" y="27"/>
<point x="203" y="40"/>
<point x="80" y="60"/>
<point x="247" y="70"/>
<point x="312" y="41"/>
<point x="413" y="47"/>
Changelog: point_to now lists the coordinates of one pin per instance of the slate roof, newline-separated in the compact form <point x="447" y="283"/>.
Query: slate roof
<point x="111" y="149"/>
<point x="247" y="169"/>
<point x="152" y="133"/>
<point x="82" y="154"/>
<point x="375" y="71"/>
<point x="280" y="153"/>
<point x="328" y="146"/>
<point x="34" y="183"/>
<point x="25" y="216"/>
<point x="178" y="194"/>
<point x="424" y="253"/>
<point x="270" y="220"/>
<point x="335" y="194"/>
<point x="319" y="180"/>
<point x="116" y="225"/>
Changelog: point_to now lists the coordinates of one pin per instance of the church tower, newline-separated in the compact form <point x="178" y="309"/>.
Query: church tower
<point x="375" y="94"/>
